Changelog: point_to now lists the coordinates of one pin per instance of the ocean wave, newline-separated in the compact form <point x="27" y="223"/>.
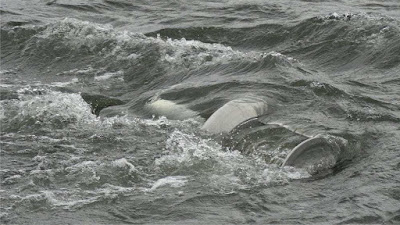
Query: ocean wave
<point x="70" y="44"/>
<point x="69" y="199"/>
<point x="348" y="41"/>
<point x="333" y="40"/>
<point x="72" y="36"/>
<point x="189" y="155"/>
<point x="41" y="107"/>
<point x="103" y="112"/>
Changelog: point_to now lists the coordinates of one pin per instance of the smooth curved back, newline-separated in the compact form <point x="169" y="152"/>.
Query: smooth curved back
<point x="315" y="154"/>
<point x="170" y="110"/>
<point x="233" y="113"/>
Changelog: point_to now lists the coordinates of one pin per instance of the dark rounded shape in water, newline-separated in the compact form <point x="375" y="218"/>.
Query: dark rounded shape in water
<point x="315" y="154"/>
<point x="99" y="102"/>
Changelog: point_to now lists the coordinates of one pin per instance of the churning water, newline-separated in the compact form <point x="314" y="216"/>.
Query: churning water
<point x="103" y="101"/>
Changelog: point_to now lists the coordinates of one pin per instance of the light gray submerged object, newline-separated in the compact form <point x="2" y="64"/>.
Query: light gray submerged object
<point x="233" y="113"/>
<point x="169" y="109"/>
<point x="316" y="154"/>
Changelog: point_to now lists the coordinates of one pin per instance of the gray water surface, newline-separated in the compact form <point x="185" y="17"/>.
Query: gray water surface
<point x="102" y="104"/>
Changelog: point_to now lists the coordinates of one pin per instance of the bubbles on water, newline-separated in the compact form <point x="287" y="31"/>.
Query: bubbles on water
<point x="135" y="51"/>
<point x="124" y="164"/>
<point x="196" y="53"/>
<point x="280" y="59"/>
<point x="107" y="76"/>
<point x="2" y="112"/>
<point x="186" y="154"/>
<point x="76" y="33"/>
<point x="79" y="72"/>
<point x="189" y="150"/>
<point x="123" y="45"/>
<point x="69" y="199"/>
<point x="42" y="107"/>
<point x="95" y="173"/>
<point x="11" y="180"/>
<point x="49" y="108"/>
<point x="221" y="169"/>
<point x="65" y="84"/>
<point x="76" y="198"/>
<point x="173" y="181"/>
<point x="83" y="173"/>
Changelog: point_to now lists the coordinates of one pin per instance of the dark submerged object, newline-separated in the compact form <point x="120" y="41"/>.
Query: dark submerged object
<point x="316" y="154"/>
<point x="98" y="102"/>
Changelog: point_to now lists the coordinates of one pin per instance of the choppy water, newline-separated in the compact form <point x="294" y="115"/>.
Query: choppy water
<point x="81" y="144"/>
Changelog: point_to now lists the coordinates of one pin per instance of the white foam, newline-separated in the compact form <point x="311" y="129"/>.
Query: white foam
<point x="176" y="52"/>
<point x="283" y="175"/>
<point x="225" y="170"/>
<point x="51" y="106"/>
<point x="290" y="128"/>
<point x="6" y="85"/>
<point x="12" y="179"/>
<point x="107" y="76"/>
<point x="64" y="84"/>
<point x="226" y="183"/>
<point x="78" y="72"/>
<point x="85" y="172"/>
<point x="123" y="163"/>
<point x="2" y="112"/>
<point x="173" y="181"/>
<point x="72" y="199"/>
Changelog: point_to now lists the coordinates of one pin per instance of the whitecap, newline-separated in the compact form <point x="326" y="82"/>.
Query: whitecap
<point x="123" y="163"/>
<point x="173" y="181"/>
<point x="109" y="75"/>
